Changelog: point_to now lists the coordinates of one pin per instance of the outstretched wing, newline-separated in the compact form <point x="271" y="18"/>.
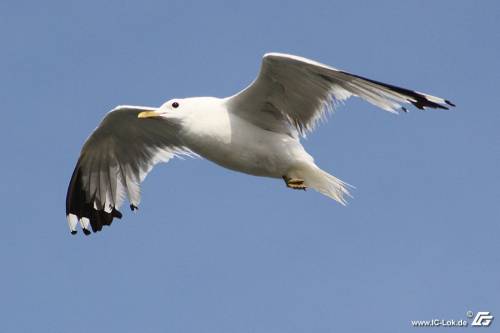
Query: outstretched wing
<point x="113" y="162"/>
<point x="294" y="93"/>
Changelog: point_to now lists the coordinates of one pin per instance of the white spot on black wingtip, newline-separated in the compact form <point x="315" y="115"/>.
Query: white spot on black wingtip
<point x="72" y="222"/>
<point x="133" y="207"/>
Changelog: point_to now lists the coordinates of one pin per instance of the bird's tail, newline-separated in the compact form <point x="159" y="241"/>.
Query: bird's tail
<point x="326" y="184"/>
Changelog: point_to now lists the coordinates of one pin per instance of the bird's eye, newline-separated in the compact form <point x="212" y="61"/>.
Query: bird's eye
<point x="175" y="105"/>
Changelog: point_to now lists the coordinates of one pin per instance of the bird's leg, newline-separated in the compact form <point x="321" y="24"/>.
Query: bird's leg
<point x="294" y="183"/>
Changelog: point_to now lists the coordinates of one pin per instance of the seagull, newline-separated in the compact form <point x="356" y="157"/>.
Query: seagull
<point x="256" y="131"/>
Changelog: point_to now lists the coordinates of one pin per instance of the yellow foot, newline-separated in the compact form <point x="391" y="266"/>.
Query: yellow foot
<point x="296" y="184"/>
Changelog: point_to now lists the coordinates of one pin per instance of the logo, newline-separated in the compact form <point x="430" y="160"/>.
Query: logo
<point x="483" y="319"/>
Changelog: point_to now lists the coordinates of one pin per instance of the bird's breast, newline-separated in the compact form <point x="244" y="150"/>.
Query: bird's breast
<point x="239" y="145"/>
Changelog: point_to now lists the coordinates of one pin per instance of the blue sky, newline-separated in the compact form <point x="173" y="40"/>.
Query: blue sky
<point x="211" y="250"/>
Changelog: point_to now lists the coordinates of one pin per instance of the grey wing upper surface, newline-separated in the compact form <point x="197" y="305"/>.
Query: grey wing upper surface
<point x="113" y="162"/>
<point x="292" y="93"/>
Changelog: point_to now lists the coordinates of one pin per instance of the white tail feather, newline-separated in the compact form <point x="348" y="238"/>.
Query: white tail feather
<point x="326" y="184"/>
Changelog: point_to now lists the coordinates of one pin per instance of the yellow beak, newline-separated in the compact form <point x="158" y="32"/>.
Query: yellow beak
<point x="148" y="114"/>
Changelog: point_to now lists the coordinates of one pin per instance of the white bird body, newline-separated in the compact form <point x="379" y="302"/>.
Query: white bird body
<point x="212" y="131"/>
<point x="257" y="131"/>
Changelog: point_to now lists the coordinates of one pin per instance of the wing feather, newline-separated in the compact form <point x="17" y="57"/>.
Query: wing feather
<point x="113" y="162"/>
<point x="291" y="94"/>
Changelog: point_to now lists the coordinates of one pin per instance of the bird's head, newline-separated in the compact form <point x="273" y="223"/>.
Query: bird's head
<point x="172" y="109"/>
<point x="179" y="109"/>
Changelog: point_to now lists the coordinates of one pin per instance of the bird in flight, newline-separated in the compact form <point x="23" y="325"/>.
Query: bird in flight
<point x="256" y="131"/>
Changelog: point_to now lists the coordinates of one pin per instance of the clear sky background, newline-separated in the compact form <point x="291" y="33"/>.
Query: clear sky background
<point x="211" y="250"/>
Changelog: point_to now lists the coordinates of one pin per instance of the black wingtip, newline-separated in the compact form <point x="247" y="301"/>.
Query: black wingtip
<point x="449" y="102"/>
<point x="78" y="204"/>
<point x="133" y="207"/>
<point x="404" y="109"/>
<point x="116" y="213"/>
<point x="74" y="232"/>
<point x="423" y="103"/>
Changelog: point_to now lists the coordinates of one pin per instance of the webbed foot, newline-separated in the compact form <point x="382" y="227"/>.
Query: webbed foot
<point x="294" y="183"/>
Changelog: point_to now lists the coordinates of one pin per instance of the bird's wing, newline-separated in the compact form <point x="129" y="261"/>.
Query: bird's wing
<point x="113" y="162"/>
<point x="294" y="93"/>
